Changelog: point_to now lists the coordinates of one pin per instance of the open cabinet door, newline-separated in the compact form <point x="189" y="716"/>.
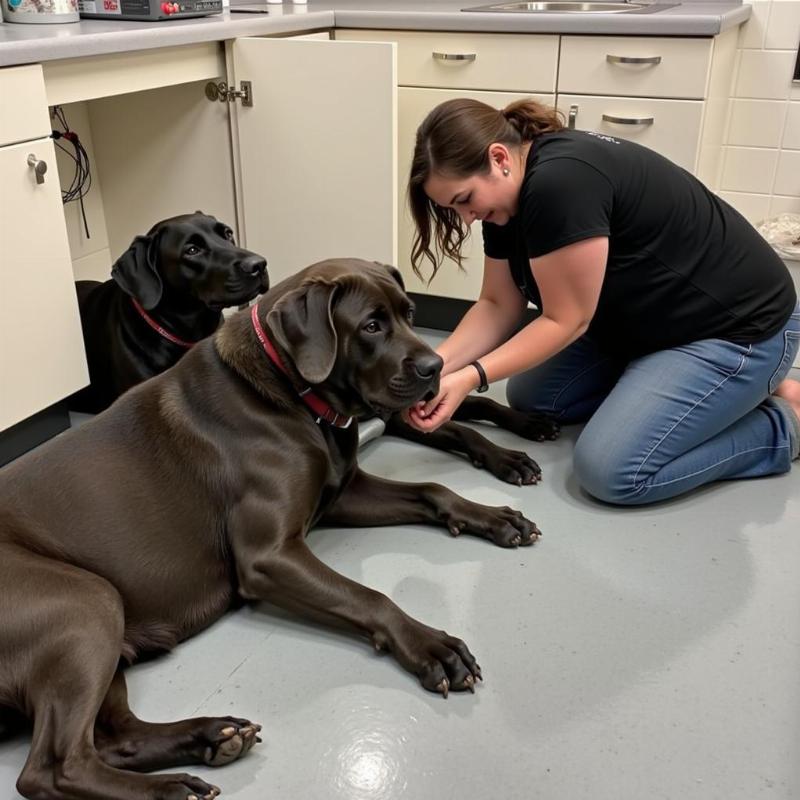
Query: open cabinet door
<point x="317" y="151"/>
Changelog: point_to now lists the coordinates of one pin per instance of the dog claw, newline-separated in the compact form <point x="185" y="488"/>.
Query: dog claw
<point x="469" y="683"/>
<point x="443" y="687"/>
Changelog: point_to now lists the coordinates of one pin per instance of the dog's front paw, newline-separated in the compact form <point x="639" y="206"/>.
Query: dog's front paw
<point x="502" y="525"/>
<point x="511" y="466"/>
<point x="532" y="425"/>
<point x="443" y="663"/>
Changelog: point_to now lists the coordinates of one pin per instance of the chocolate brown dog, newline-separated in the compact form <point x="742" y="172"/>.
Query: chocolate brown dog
<point x="167" y="292"/>
<point x="194" y="492"/>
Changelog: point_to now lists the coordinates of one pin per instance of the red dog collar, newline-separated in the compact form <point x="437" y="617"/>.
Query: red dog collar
<point x="315" y="403"/>
<point x="156" y="327"/>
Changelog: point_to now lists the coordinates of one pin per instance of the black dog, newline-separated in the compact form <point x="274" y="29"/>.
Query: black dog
<point x="167" y="292"/>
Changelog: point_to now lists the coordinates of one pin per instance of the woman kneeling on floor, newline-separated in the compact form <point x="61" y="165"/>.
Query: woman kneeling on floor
<point x="668" y="325"/>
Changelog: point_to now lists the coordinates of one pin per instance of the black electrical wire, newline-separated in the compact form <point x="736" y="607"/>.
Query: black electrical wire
<point x="82" y="178"/>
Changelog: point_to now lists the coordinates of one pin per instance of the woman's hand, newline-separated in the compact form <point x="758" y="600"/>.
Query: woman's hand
<point x="427" y="416"/>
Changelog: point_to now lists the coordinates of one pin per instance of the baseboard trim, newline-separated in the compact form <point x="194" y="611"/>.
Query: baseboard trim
<point x="439" y="313"/>
<point x="444" y="313"/>
<point x="29" y="433"/>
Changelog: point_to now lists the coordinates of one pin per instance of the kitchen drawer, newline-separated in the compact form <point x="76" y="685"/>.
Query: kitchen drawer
<point x="25" y="113"/>
<point x="675" y="67"/>
<point x="674" y="131"/>
<point x="508" y="62"/>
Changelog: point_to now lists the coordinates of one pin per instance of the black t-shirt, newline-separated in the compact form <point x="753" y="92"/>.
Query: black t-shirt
<point x="682" y="265"/>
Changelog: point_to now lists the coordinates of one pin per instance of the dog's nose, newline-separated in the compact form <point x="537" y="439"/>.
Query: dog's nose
<point x="428" y="365"/>
<point x="253" y="265"/>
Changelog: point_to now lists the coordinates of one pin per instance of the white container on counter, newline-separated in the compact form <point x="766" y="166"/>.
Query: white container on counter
<point x="40" y="11"/>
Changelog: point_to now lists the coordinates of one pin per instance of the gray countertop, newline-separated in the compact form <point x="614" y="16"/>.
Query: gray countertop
<point x="26" y="43"/>
<point x="690" y="18"/>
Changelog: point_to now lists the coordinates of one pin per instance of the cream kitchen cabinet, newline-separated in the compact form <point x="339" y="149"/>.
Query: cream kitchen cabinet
<point x="41" y="348"/>
<point x="432" y="68"/>
<point x="316" y="157"/>
<point x="669" y="94"/>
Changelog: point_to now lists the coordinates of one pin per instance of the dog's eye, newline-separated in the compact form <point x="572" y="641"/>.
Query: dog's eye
<point x="191" y="250"/>
<point x="372" y="327"/>
<point x="229" y="234"/>
<point x="410" y="316"/>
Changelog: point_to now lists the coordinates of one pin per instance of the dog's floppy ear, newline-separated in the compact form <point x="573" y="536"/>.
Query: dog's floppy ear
<point x="136" y="272"/>
<point x="394" y="272"/>
<point x="302" y="323"/>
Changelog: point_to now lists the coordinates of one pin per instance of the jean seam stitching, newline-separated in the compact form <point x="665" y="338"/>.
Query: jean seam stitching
<point x="638" y="486"/>
<point x="712" y="466"/>
<point x="787" y="336"/>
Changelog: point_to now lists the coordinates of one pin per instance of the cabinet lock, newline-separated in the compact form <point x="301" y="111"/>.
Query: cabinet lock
<point x="224" y="93"/>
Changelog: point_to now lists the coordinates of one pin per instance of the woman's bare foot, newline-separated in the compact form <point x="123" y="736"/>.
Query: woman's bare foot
<point x="789" y="390"/>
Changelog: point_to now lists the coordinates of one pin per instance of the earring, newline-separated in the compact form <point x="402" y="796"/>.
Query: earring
<point x="506" y="171"/>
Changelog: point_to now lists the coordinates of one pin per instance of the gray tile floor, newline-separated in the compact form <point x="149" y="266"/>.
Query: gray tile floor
<point x="632" y="654"/>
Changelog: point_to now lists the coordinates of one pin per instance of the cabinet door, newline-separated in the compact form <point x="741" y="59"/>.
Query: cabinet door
<point x="670" y="127"/>
<point x="317" y="151"/>
<point x="465" y="284"/>
<point x="42" y="358"/>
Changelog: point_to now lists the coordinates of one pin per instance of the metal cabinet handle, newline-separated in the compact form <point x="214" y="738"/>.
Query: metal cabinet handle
<point x="633" y="59"/>
<point x="573" y="116"/>
<point x="454" y="56"/>
<point x="629" y="120"/>
<point x="39" y="167"/>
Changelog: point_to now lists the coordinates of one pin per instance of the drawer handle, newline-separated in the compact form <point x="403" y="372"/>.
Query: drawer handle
<point x="573" y="116"/>
<point x="629" y="120"/>
<point x="39" y="167"/>
<point x="633" y="59"/>
<point x="454" y="56"/>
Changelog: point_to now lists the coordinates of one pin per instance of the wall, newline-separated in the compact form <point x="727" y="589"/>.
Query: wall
<point x="761" y="167"/>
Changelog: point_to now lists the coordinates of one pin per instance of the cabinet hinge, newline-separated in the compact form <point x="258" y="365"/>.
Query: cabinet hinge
<point x="227" y="94"/>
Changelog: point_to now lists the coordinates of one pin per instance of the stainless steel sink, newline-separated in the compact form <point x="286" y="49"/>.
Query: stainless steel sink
<point x="574" y="7"/>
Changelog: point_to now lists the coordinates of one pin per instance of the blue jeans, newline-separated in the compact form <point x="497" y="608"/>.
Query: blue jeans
<point x="665" y="423"/>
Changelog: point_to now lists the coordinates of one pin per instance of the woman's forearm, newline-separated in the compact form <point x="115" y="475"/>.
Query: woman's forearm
<point x="481" y="330"/>
<point x="533" y="345"/>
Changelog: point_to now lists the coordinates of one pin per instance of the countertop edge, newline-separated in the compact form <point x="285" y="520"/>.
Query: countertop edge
<point x="218" y="28"/>
<point x="668" y="23"/>
<point x="90" y="38"/>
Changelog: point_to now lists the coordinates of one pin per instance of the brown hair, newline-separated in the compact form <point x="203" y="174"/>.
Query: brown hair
<point x="454" y="140"/>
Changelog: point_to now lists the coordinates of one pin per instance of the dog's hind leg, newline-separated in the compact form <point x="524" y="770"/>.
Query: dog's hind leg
<point x="60" y="643"/>
<point x="125" y="741"/>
